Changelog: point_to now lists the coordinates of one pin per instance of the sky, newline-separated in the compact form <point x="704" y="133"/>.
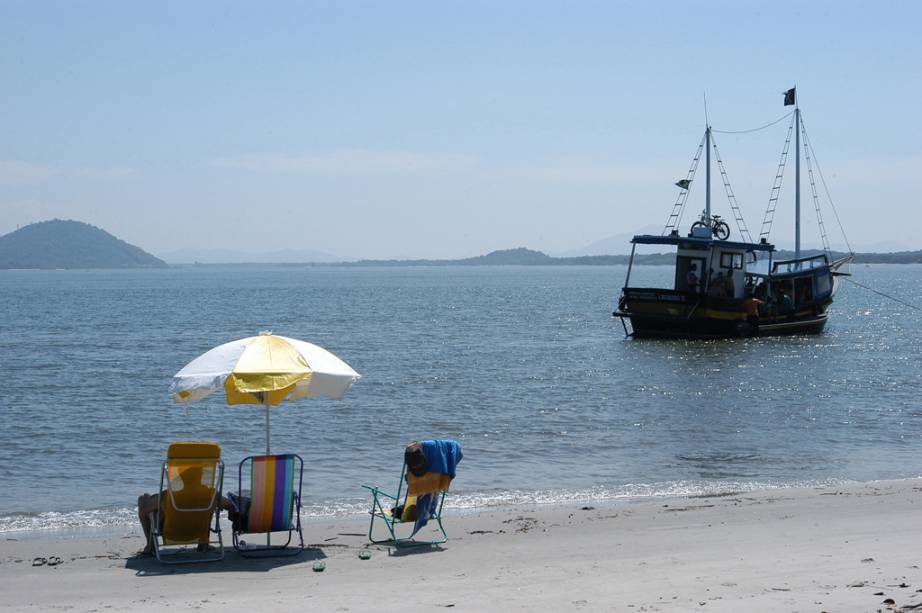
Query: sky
<point x="449" y="129"/>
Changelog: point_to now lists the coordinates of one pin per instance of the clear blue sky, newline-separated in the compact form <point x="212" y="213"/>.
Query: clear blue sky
<point x="437" y="129"/>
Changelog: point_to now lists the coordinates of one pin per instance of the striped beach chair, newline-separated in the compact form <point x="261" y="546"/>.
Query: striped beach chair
<point x="273" y="503"/>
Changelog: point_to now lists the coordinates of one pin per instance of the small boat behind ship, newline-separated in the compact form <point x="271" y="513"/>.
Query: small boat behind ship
<point x="724" y="288"/>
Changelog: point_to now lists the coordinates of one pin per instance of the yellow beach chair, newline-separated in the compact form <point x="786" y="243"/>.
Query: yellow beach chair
<point x="189" y="497"/>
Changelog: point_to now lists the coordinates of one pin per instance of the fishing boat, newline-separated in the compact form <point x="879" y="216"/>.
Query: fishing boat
<point x="734" y="288"/>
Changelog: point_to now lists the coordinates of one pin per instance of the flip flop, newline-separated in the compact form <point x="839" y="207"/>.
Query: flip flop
<point x="39" y="561"/>
<point x="365" y="554"/>
<point x="54" y="560"/>
<point x="319" y="566"/>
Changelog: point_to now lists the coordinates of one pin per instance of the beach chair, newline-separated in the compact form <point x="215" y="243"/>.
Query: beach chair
<point x="273" y="504"/>
<point x="419" y="499"/>
<point x="188" y="499"/>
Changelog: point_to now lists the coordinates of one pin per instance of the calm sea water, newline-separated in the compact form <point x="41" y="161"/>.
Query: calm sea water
<point x="524" y="366"/>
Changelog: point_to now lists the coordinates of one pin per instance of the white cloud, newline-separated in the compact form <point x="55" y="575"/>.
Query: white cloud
<point x="17" y="171"/>
<point x="353" y="162"/>
<point x="112" y="172"/>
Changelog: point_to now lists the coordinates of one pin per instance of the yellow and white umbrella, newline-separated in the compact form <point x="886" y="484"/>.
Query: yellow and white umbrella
<point x="264" y="369"/>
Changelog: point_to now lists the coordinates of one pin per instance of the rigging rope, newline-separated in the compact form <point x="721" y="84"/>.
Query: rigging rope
<point x="734" y="205"/>
<point x="678" y="209"/>
<point x="871" y="289"/>
<point x="768" y="125"/>
<point x="769" y="219"/>
<point x="816" y="200"/>
<point x="825" y="187"/>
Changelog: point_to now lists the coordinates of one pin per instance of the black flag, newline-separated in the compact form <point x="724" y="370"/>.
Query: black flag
<point x="683" y="183"/>
<point x="790" y="97"/>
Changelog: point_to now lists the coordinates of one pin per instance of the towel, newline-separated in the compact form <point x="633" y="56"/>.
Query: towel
<point x="442" y="456"/>
<point x="426" y="506"/>
<point x="239" y="511"/>
<point x="428" y="483"/>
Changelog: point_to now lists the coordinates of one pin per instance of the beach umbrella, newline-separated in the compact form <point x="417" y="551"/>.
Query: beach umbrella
<point x="265" y="369"/>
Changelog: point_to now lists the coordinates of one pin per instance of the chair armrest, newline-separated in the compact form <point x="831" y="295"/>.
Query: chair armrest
<point x="375" y="491"/>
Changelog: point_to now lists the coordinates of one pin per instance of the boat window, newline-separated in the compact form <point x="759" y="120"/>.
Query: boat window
<point x="823" y="283"/>
<point x="731" y="260"/>
<point x="803" y="290"/>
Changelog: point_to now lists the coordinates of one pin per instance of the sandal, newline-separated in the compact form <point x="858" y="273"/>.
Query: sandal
<point x="39" y="561"/>
<point x="54" y="560"/>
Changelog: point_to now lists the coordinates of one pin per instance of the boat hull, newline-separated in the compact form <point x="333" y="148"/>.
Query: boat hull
<point x="670" y="314"/>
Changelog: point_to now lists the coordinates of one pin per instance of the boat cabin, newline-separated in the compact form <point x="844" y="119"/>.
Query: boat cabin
<point x="706" y="266"/>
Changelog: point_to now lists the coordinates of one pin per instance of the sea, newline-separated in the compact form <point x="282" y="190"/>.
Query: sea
<point x="524" y="366"/>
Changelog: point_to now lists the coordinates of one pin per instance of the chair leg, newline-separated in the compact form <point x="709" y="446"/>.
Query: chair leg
<point x="164" y="557"/>
<point x="271" y="550"/>
<point x="387" y="524"/>
<point x="379" y="513"/>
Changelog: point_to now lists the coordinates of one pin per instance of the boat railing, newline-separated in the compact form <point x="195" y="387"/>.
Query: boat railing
<point x="657" y="294"/>
<point x="800" y="264"/>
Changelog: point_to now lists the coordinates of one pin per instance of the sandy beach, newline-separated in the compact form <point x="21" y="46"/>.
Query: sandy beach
<point x="848" y="548"/>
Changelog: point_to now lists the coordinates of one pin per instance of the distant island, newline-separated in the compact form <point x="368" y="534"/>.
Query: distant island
<point x="70" y="244"/>
<point x="67" y="244"/>
<point x="528" y="257"/>
<point x="522" y="256"/>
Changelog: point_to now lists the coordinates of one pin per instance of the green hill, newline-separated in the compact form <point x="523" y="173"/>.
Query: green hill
<point x="70" y="244"/>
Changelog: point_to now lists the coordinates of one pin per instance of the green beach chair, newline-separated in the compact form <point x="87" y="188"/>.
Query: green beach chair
<point x="419" y="499"/>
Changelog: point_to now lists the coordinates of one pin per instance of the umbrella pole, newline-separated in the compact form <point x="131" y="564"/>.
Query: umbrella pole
<point x="266" y="397"/>
<point x="267" y="424"/>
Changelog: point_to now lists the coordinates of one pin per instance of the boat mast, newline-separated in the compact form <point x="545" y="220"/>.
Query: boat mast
<point x="707" y="191"/>
<point x="796" y="180"/>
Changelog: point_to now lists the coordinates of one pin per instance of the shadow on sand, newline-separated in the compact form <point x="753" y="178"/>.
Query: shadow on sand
<point x="394" y="552"/>
<point x="146" y="566"/>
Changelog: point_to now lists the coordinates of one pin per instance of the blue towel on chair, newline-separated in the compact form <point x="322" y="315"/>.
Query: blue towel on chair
<point x="426" y="506"/>
<point x="442" y="456"/>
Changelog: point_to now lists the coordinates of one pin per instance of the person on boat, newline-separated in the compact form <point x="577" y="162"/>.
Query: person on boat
<point x="775" y="298"/>
<point x="729" y="286"/>
<point x="691" y="278"/>
<point x="787" y="301"/>
<point x="717" y="287"/>
<point x="751" y="306"/>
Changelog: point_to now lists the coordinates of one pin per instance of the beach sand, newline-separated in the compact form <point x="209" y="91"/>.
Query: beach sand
<point x="846" y="548"/>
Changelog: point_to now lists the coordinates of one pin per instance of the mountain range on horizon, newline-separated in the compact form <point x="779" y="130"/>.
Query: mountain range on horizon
<point x="192" y="255"/>
<point x="67" y="244"/>
<point x="620" y="244"/>
<point x="616" y="244"/>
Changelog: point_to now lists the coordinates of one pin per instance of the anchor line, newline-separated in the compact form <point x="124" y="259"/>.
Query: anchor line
<point x="871" y="289"/>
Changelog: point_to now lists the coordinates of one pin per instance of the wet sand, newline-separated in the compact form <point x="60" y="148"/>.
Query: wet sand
<point x="848" y="548"/>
